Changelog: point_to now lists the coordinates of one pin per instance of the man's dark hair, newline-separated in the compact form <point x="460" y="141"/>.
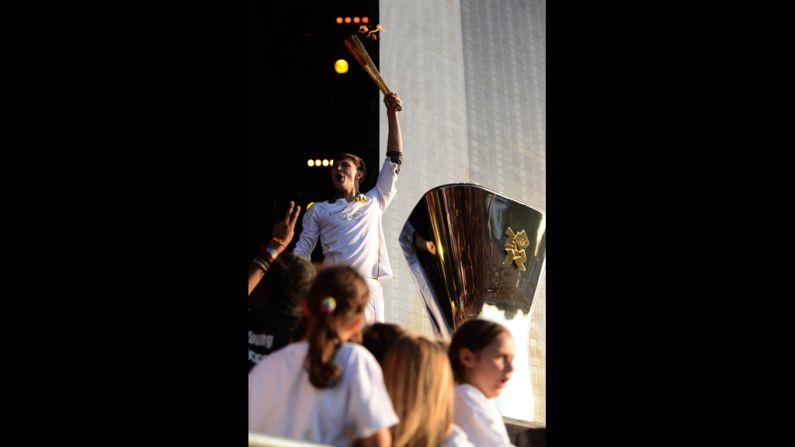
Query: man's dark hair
<point x="357" y="161"/>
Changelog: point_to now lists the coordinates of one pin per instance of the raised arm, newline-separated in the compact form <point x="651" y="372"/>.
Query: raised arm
<point x="394" y="141"/>
<point x="385" y="185"/>
<point x="283" y="233"/>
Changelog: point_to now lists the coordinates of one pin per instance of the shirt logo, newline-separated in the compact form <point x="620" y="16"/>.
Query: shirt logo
<point x="353" y="211"/>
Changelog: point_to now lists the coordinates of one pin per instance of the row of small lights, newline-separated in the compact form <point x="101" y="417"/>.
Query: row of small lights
<point x="354" y="20"/>
<point x="319" y="163"/>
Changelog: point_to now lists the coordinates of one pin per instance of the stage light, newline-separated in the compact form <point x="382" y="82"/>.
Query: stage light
<point x="365" y="20"/>
<point x="325" y="162"/>
<point x="355" y="20"/>
<point x="347" y="20"/>
<point x="339" y="19"/>
<point x="341" y="66"/>
<point x="317" y="162"/>
<point x="310" y="163"/>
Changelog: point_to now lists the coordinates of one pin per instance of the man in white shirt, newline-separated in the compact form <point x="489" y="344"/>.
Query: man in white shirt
<point x="350" y="225"/>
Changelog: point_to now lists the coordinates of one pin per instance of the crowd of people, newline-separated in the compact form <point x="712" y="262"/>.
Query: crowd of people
<point x="337" y="382"/>
<point x="324" y="367"/>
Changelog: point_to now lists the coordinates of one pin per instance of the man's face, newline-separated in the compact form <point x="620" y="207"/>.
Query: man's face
<point x="344" y="174"/>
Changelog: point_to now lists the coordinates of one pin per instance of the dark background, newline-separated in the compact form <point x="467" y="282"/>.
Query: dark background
<point x="299" y="108"/>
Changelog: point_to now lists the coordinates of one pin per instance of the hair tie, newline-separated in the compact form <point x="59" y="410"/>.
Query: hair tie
<point x="328" y="305"/>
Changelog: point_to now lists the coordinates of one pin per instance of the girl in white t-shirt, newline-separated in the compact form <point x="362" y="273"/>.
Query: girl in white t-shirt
<point x="481" y="354"/>
<point x="323" y="389"/>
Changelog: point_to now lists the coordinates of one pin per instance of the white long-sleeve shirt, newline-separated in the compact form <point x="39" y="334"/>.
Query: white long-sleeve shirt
<point x="352" y="233"/>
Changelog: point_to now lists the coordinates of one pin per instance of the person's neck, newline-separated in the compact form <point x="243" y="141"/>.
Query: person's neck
<point x="347" y="194"/>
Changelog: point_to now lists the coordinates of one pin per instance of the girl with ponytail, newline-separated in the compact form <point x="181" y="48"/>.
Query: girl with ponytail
<point x="324" y="389"/>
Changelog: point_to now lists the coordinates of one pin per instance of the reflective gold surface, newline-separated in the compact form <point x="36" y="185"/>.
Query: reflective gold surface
<point x="455" y="242"/>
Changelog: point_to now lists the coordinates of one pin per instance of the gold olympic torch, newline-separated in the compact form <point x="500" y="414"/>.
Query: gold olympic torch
<point x="354" y="45"/>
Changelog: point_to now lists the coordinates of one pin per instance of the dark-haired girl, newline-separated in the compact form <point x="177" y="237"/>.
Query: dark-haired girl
<point x="322" y="388"/>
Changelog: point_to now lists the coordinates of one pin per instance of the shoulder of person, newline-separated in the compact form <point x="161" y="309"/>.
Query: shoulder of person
<point x="356" y="350"/>
<point x="317" y="205"/>
<point x="470" y="392"/>
<point x="353" y="352"/>
<point x="322" y="207"/>
<point x="298" y="348"/>
<point x="457" y="438"/>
